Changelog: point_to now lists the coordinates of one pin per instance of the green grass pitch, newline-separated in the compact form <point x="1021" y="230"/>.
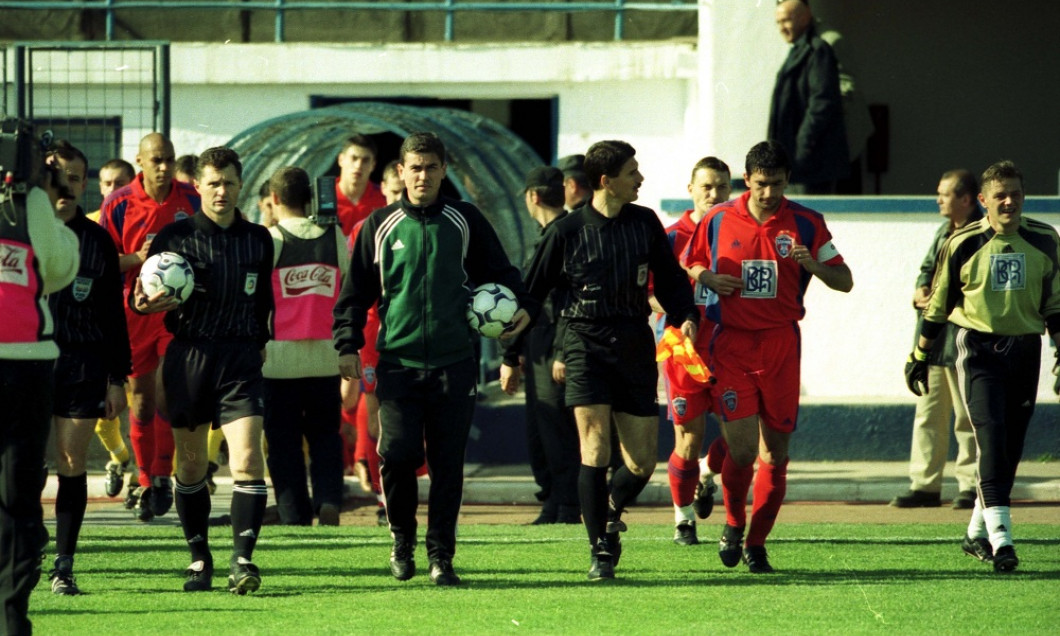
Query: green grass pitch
<point x="831" y="579"/>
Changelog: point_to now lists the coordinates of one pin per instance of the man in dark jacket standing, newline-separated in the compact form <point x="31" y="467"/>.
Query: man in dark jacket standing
<point x="420" y="257"/>
<point x="806" y="114"/>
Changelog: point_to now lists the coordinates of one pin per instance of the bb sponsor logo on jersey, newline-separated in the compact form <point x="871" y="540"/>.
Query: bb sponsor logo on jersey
<point x="1008" y="272"/>
<point x="14" y="268"/>
<point x="759" y="279"/>
<point x="784" y="243"/>
<point x="250" y="285"/>
<point x="311" y="278"/>
<point x="728" y="400"/>
<point x="81" y="288"/>
<point x="680" y="406"/>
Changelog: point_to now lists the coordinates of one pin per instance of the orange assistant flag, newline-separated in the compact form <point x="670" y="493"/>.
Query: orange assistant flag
<point x="676" y="345"/>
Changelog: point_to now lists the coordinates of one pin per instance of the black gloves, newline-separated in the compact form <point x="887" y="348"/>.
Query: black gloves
<point x="1056" y="372"/>
<point x="916" y="371"/>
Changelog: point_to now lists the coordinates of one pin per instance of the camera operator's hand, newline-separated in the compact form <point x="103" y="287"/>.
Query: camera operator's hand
<point x="145" y="304"/>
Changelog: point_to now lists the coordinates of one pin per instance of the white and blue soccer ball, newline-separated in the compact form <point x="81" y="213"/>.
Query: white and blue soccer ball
<point x="491" y="309"/>
<point x="168" y="272"/>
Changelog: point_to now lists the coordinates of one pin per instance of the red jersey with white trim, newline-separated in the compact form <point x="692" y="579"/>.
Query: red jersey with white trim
<point x="131" y="216"/>
<point x="730" y="241"/>
<point x="350" y="213"/>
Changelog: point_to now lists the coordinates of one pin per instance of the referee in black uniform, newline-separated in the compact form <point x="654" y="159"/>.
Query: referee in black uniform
<point x="603" y="253"/>
<point x="998" y="282"/>
<point x="94" y="359"/>
<point x="212" y="373"/>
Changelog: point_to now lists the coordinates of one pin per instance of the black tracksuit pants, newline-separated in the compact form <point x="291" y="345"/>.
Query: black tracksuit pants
<point x="425" y="413"/>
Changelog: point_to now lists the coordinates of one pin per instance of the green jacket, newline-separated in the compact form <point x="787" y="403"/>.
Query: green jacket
<point x="420" y="264"/>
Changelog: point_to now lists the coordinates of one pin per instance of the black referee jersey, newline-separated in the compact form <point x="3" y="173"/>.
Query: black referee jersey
<point x="232" y="300"/>
<point x="90" y="311"/>
<point x="604" y="264"/>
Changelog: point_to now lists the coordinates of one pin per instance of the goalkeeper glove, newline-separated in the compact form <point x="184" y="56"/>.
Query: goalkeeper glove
<point x="1056" y="372"/>
<point x="916" y="371"/>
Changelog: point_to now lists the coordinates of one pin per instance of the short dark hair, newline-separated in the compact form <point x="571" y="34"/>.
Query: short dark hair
<point x="1001" y="170"/>
<point x="291" y="186"/>
<point x="423" y="143"/>
<point x="364" y="141"/>
<point x="710" y="163"/>
<point x="964" y="182"/>
<point x="767" y="157"/>
<point x="219" y="158"/>
<point x="187" y="164"/>
<point x="120" y="164"/>
<point x="66" y="151"/>
<point x="390" y="169"/>
<point x="606" y="158"/>
<point x="547" y="183"/>
<point x="264" y="190"/>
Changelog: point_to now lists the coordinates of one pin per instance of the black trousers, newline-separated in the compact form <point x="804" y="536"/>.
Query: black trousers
<point x="550" y="427"/>
<point x="309" y="408"/>
<point x="425" y="413"/>
<point x="999" y="385"/>
<point x="26" y="390"/>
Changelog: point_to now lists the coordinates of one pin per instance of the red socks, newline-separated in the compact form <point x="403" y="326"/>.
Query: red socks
<point x="735" y="482"/>
<point x="142" y="437"/>
<point x="684" y="475"/>
<point x="770" y="488"/>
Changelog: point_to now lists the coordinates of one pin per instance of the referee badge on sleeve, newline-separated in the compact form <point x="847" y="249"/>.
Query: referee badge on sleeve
<point x="642" y="275"/>
<point x="81" y="288"/>
<point x="250" y="284"/>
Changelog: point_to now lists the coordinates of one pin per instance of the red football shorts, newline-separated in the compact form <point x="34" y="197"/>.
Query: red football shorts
<point x="148" y="339"/>
<point x="369" y="355"/>
<point x="758" y="373"/>
<point x="686" y="398"/>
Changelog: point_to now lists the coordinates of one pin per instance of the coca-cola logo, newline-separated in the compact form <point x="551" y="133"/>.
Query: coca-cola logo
<point x="313" y="278"/>
<point x="13" y="260"/>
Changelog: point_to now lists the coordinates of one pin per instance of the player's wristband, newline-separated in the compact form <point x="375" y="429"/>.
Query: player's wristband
<point x="920" y="354"/>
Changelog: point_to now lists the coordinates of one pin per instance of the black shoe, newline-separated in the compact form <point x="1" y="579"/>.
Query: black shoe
<point x="144" y="511"/>
<point x="402" y="565"/>
<point x="132" y="496"/>
<point x="757" y="560"/>
<point x="161" y="495"/>
<point x="62" y="577"/>
<point x="729" y="547"/>
<point x="544" y="518"/>
<point x="917" y="499"/>
<point x="602" y="565"/>
<point x="1005" y="559"/>
<point x="115" y="479"/>
<point x="198" y="577"/>
<point x="328" y="515"/>
<point x="442" y="573"/>
<point x="685" y="533"/>
<point x="978" y="548"/>
<point x="243" y="577"/>
<point x="380" y="517"/>
<point x="965" y="500"/>
<point x="569" y="515"/>
<point x="703" y="504"/>
<point x="615" y="525"/>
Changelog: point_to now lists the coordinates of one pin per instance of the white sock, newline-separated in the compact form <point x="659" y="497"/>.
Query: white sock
<point x="683" y="513"/>
<point x="998" y="525"/>
<point x="704" y="470"/>
<point x="977" y="526"/>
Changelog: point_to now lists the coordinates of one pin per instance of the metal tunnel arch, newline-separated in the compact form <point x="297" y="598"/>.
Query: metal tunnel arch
<point x="487" y="163"/>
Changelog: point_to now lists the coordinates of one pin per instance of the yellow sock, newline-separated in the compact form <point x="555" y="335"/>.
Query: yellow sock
<point x="109" y="432"/>
<point x="213" y="444"/>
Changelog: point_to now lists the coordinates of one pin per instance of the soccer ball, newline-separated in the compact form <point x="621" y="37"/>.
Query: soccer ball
<point x="491" y="309"/>
<point x="168" y="272"/>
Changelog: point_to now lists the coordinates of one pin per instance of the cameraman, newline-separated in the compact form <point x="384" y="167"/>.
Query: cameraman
<point x="38" y="255"/>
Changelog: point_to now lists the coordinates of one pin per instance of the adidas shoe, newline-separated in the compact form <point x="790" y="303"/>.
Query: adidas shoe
<point x="729" y="546"/>
<point x="198" y="577"/>
<point x="62" y="577"/>
<point x="757" y="560"/>
<point x="402" y="563"/>
<point x="1005" y="559"/>
<point x="143" y="509"/>
<point x="243" y="577"/>
<point x="161" y="495"/>
<point x="703" y="504"/>
<point x="685" y="533"/>
<point x="978" y="548"/>
<point x="115" y="479"/>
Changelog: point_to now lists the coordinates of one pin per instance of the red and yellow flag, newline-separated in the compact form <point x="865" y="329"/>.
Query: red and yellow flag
<point x="676" y="345"/>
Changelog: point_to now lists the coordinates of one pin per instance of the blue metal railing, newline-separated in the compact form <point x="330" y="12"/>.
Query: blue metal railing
<point x="281" y="7"/>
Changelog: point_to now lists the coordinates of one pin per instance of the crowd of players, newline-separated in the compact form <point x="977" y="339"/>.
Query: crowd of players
<point x="279" y="342"/>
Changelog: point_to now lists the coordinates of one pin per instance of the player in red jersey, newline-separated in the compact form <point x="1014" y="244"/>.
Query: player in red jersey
<point x="757" y="254"/>
<point x="133" y="215"/>
<point x="688" y="401"/>
<point x="356" y="197"/>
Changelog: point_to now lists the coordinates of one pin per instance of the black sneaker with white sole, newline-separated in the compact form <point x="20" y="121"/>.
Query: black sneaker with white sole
<point x="978" y="548"/>
<point x="602" y="563"/>
<point x="757" y="560"/>
<point x="62" y="577"/>
<point x="1005" y="559"/>
<point x="115" y="478"/>
<point x="243" y="577"/>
